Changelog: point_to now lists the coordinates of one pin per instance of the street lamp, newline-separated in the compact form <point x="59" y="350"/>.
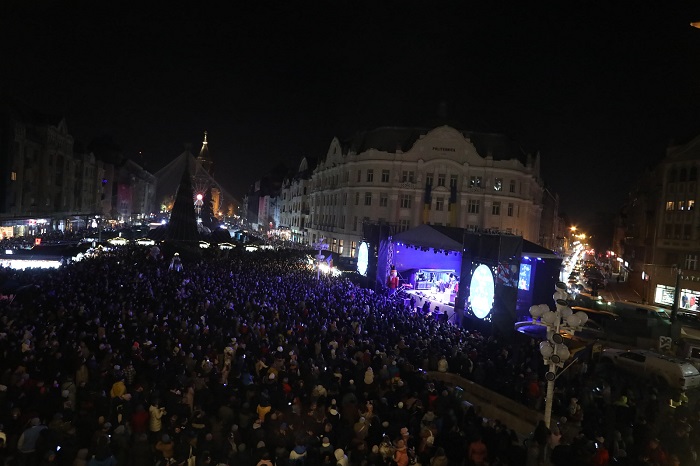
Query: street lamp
<point x="320" y="245"/>
<point x="553" y="350"/>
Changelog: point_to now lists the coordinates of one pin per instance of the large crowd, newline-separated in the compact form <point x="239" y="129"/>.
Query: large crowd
<point x="248" y="359"/>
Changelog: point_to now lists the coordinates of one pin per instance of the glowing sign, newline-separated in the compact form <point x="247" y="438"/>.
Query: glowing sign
<point x="362" y="259"/>
<point x="481" y="291"/>
<point x="524" y="279"/>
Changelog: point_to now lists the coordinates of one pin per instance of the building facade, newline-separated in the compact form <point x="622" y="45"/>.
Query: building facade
<point x="47" y="181"/>
<point x="406" y="177"/>
<point x="659" y="237"/>
<point x="295" y="202"/>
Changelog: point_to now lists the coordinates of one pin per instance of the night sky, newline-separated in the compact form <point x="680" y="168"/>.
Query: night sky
<point x="599" y="88"/>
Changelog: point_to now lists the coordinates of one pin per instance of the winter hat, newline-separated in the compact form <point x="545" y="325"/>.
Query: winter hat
<point x="326" y="442"/>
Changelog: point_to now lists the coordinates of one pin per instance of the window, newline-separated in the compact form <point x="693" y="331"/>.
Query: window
<point x="383" y="200"/>
<point x="439" y="203"/>
<point x="345" y="198"/>
<point x="368" y="198"/>
<point x="407" y="176"/>
<point x="429" y="179"/>
<point x="498" y="184"/>
<point x="13" y="176"/>
<point x="668" y="231"/>
<point x="403" y="224"/>
<point x="687" y="232"/>
<point x="496" y="208"/>
<point x="475" y="182"/>
<point x="385" y="176"/>
<point x="670" y="205"/>
<point x="370" y="175"/>
<point x="691" y="204"/>
<point x="510" y="209"/>
<point x="340" y="246"/>
<point x="354" y="225"/>
<point x="453" y="181"/>
<point x="691" y="261"/>
<point x="359" y="175"/>
<point x="512" y="186"/>
<point x="405" y="201"/>
<point x="473" y="207"/>
<point x="353" y="248"/>
<point x="357" y="198"/>
<point x="681" y="205"/>
<point x="441" y="179"/>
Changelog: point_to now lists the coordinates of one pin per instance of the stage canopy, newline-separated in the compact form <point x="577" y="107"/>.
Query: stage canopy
<point x="455" y="239"/>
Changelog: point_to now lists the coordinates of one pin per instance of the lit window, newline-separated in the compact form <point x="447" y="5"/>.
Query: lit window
<point x="681" y="205"/>
<point x="670" y="205"/>
<point x="691" y="261"/>
<point x="691" y="204"/>
<point x="13" y="176"/>
<point x="475" y="182"/>
<point x="498" y="184"/>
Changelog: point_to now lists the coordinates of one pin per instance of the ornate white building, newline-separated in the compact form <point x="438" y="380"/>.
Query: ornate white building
<point x="406" y="177"/>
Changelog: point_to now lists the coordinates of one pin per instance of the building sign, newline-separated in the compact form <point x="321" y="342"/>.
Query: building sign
<point x="444" y="149"/>
<point x="481" y="291"/>
<point x="690" y="299"/>
<point x="664" y="295"/>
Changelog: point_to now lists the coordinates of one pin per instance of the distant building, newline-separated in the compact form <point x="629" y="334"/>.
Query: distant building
<point x="48" y="181"/>
<point x="658" y="233"/>
<point x="262" y="205"/>
<point x="295" y="201"/>
<point x="407" y="177"/>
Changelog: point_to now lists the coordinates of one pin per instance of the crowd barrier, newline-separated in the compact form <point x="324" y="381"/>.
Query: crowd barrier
<point x="492" y="405"/>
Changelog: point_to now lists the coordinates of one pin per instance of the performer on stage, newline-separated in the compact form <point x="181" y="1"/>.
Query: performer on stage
<point x="392" y="282"/>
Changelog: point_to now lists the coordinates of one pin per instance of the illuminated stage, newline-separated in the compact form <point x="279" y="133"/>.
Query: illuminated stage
<point x="437" y="303"/>
<point x="480" y="279"/>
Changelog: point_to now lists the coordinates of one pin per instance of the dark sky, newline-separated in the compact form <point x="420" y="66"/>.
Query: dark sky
<point x="599" y="88"/>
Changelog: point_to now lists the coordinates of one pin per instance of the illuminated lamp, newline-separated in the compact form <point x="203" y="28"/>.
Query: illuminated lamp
<point x="199" y="197"/>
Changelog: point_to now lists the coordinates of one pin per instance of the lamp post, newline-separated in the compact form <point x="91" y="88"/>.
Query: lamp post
<point x="553" y="350"/>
